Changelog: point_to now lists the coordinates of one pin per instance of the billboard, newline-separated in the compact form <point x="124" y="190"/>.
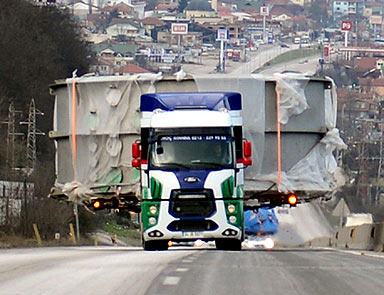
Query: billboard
<point x="179" y="29"/>
<point x="375" y="19"/>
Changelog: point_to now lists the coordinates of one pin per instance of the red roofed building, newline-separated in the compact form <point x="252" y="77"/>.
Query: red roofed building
<point x="368" y="66"/>
<point x="131" y="69"/>
<point x="121" y="7"/>
<point x="372" y="85"/>
<point x="150" y="23"/>
<point x="166" y="7"/>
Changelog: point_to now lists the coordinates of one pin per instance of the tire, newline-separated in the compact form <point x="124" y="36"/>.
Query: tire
<point x="155" y="245"/>
<point x="228" y="244"/>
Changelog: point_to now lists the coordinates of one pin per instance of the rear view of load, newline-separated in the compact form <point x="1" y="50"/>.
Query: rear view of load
<point x="287" y="123"/>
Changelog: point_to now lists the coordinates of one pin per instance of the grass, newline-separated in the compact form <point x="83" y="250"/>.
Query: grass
<point x="289" y="56"/>
<point x="127" y="234"/>
<point x="15" y="241"/>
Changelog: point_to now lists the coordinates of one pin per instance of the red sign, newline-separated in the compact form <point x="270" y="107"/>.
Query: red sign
<point x="179" y="28"/>
<point x="346" y="25"/>
<point x="326" y="50"/>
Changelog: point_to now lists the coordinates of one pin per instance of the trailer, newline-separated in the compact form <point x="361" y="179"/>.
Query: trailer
<point x="289" y="119"/>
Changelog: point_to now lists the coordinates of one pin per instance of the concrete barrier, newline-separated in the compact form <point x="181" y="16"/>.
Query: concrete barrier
<point x="378" y="239"/>
<point x="321" y="242"/>
<point x="344" y="237"/>
<point x="363" y="237"/>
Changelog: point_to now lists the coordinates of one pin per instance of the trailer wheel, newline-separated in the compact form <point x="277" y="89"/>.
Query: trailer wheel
<point x="155" y="245"/>
<point x="228" y="244"/>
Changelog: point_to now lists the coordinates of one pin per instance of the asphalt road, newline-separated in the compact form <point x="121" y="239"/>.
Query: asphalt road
<point x="308" y="66"/>
<point x="118" y="270"/>
<point x="256" y="60"/>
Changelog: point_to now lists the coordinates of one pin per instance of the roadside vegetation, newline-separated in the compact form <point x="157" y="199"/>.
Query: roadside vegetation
<point x="290" y="56"/>
<point x="39" y="44"/>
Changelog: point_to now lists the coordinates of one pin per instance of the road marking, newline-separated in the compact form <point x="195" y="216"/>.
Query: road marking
<point x="182" y="269"/>
<point x="356" y="252"/>
<point x="171" y="281"/>
<point x="363" y="253"/>
<point x="186" y="261"/>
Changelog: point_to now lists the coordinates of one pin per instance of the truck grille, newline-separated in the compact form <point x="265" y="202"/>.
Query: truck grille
<point x="192" y="203"/>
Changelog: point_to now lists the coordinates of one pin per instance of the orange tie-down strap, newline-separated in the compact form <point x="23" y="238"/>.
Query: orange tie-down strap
<point x="278" y="138"/>
<point x="74" y="142"/>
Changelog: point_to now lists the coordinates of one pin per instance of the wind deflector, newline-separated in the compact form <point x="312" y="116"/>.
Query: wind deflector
<point x="190" y="100"/>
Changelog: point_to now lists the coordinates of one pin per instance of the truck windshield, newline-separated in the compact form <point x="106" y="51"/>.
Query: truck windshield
<point x="192" y="152"/>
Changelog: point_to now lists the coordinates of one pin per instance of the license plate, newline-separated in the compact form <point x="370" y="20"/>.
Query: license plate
<point x="192" y="234"/>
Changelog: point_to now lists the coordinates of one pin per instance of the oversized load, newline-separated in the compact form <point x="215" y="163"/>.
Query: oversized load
<point x="96" y="125"/>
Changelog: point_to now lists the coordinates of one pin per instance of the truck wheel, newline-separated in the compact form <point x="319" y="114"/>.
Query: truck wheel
<point x="155" y="245"/>
<point x="228" y="244"/>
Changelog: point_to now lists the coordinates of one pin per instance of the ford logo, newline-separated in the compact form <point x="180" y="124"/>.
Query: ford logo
<point x="191" y="179"/>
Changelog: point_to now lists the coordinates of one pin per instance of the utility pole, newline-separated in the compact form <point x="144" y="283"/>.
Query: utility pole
<point x="32" y="132"/>
<point x="11" y="137"/>
<point x="264" y="11"/>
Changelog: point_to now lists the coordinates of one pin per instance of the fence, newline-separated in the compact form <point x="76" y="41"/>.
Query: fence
<point x="14" y="197"/>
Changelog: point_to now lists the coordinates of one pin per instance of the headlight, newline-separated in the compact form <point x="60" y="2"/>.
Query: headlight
<point x="231" y="208"/>
<point x="232" y="219"/>
<point x="152" y="220"/>
<point x="153" y="210"/>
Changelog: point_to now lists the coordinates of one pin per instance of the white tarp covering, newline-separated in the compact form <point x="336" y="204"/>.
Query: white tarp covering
<point x="108" y="123"/>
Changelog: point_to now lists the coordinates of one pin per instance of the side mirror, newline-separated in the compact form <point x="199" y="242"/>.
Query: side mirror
<point x="136" y="153"/>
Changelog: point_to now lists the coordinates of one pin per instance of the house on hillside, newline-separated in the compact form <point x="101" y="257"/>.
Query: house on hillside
<point x="82" y="8"/>
<point x="198" y="9"/>
<point x="342" y="8"/>
<point x="368" y="67"/>
<point x="166" y="8"/>
<point x="109" y="56"/>
<point x="124" y="29"/>
<point x="372" y="85"/>
<point x="109" y="49"/>
<point x="102" y="66"/>
<point x="127" y="8"/>
<point x="358" y="110"/>
<point x="152" y="25"/>
<point x="131" y="69"/>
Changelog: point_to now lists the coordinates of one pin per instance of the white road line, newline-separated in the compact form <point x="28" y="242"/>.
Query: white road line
<point x="186" y="261"/>
<point x="171" y="281"/>
<point x="363" y="253"/>
<point x="357" y="252"/>
<point x="182" y="269"/>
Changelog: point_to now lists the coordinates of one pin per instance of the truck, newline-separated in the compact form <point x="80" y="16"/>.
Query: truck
<point x="191" y="159"/>
<point x="146" y="143"/>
